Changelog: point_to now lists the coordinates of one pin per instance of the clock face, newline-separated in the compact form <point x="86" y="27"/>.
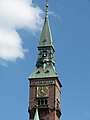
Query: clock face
<point x="42" y="91"/>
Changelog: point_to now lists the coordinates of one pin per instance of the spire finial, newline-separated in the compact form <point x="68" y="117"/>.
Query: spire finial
<point x="46" y="8"/>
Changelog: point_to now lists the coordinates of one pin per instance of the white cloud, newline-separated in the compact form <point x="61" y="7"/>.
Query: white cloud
<point x="16" y="14"/>
<point x="10" y="45"/>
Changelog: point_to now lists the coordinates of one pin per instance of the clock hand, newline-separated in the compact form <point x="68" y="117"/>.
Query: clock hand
<point x="43" y="91"/>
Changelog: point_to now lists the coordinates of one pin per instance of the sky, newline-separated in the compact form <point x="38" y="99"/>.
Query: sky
<point x="21" y="22"/>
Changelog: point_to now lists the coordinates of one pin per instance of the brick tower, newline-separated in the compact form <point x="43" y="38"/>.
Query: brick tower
<point x="45" y="87"/>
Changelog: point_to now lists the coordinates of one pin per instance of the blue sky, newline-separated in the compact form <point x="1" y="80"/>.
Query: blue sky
<point x="70" y="26"/>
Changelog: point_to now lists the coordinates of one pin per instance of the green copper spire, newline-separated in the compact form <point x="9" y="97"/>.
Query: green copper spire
<point x="45" y="65"/>
<point x="36" y="117"/>
<point x="46" y="36"/>
<point x="45" y="46"/>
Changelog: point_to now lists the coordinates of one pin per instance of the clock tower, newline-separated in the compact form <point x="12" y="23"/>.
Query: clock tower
<point x="45" y="86"/>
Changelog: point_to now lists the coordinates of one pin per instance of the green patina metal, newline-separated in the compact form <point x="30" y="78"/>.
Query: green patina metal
<point x="41" y="73"/>
<point x="46" y="36"/>
<point x="45" y="65"/>
<point x="36" y="117"/>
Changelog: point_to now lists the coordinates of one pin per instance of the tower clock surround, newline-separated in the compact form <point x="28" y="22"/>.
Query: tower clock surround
<point x="42" y="91"/>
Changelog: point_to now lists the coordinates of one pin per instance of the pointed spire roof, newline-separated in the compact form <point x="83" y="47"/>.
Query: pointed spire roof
<point x="46" y="36"/>
<point x="36" y="117"/>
